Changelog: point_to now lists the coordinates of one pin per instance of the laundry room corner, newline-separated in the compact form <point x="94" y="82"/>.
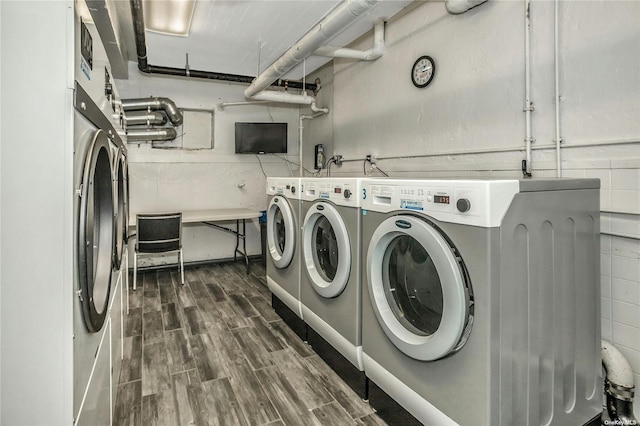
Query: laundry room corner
<point x="173" y="177"/>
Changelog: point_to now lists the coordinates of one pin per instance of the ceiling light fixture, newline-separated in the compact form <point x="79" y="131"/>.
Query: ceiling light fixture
<point x="171" y="17"/>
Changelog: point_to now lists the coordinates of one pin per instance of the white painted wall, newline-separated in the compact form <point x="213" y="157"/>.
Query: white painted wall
<point x="178" y="180"/>
<point x="470" y="120"/>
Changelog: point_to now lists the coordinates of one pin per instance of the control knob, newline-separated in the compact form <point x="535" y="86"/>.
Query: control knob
<point x="293" y="189"/>
<point x="347" y="193"/>
<point x="463" y="205"/>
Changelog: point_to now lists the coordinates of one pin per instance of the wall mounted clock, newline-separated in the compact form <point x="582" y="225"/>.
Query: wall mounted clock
<point x="423" y="71"/>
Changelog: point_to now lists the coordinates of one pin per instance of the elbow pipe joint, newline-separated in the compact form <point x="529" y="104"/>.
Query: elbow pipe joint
<point x="618" y="386"/>
<point x="166" y="104"/>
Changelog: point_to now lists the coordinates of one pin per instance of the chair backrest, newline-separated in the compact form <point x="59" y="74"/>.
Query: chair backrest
<point x="157" y="233"/>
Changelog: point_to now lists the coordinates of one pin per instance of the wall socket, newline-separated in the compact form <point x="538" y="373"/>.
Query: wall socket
<point x="371" y="159"/>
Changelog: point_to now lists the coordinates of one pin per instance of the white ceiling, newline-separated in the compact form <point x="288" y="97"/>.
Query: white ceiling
<point x="238" y="36"/>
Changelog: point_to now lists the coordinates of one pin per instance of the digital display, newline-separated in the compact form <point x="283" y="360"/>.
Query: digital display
<point x="86" y="45"/>
<point x="337" y="190"/>
<point x="441" y="199"/>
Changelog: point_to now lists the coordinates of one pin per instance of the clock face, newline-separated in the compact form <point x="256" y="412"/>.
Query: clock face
<point x="423" y="71"/>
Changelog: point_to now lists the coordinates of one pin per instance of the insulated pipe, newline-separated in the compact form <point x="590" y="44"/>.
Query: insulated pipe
<point x="285" y="97"/>
<point x="165" y="104"/>
<point x="366" y="55"/>
<point x="145" y="118"/>
<point x="619" y="387"/>
<point x="337" y="20"/>
<point x="460" y="6"/>
<point x="159" y="134"/>
<point x="137" y="16"/>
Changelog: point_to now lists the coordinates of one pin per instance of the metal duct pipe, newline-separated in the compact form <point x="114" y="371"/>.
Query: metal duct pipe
<point x="166" y="104"/>
<point x="456" y="7"/>
<point x="159" y="134"/>
<point x="337" y="20"/>
<point x="618" y="386"/>
<point x="141" y="49"/>
<point x="145" y="118"/>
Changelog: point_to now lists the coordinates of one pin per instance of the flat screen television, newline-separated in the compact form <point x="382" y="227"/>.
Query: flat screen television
<point x="261" y="138"/>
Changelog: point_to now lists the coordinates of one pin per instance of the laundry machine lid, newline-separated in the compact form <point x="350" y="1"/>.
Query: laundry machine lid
<point x="326" y="249"/>
<point x="418" y="288"/>
<point x="281" y="232"/>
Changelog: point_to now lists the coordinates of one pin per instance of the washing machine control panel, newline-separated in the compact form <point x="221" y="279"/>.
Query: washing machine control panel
<point x="288" y="187"/>
<point x="476" y="202"/>
<point x="339" y="191"/>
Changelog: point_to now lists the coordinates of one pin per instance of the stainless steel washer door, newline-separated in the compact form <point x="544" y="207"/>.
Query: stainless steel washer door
<point x="281" y="232"/>
<point x="96" y="233"/>
<point x="418" y="288"/>
<point x="326" y="249"/>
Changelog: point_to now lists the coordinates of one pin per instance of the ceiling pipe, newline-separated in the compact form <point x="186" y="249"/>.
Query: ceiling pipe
<point x="366" y="55"/>
<point x="143" y="65"/>
<point x="337" y="20"/>
<point x="155" y="103"/>
<point x="143" y="135"/>
<point x="145" y="118"/>
<point x="456" y="7"/>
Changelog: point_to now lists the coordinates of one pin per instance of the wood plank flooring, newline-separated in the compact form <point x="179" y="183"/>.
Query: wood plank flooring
<point x="213" y="352"/>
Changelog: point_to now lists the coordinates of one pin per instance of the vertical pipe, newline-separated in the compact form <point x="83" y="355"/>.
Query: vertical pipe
<point x="300" y="129"/>
<point x="528" y="106"/>
<point x="557" y="87"/>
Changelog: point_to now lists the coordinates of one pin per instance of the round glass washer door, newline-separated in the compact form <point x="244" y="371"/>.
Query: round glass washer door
<point x="96" y="233"/>
<point x="326" y="249"/>
<point x="121" y="201"/>
<point x="280" y="232"/>
<point x="418" y="288"/>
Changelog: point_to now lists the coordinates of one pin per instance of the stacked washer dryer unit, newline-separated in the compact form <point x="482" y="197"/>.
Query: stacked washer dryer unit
<point x="330" y="286"/>
<point x="482" y="300"/>
<point x="283" y="247"/>
<point x="100" y="228"/>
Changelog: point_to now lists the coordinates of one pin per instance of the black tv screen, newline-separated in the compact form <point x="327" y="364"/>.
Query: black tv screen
<point x="261" y="138"/>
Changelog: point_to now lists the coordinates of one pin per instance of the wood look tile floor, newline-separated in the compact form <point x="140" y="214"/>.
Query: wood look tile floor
<point x="213" y="352"/>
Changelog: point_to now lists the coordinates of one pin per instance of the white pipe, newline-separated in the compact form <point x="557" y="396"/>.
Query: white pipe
<point x="528" y="105"/>
<point x="337" y="20"/>
<point x="617" y="367"/>
<point x="285" y="97"/>
<point x="556" y="59"/>
<point x="366" y="55"/>
<point x="618" y="386"/>
<point x="222" y="105"/>
<point x="460" y="6"/>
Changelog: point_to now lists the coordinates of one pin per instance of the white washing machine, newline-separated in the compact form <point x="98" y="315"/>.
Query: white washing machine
<point x="100" y="224"/>
<point x="283" y="248"/>
<point x="482" y="300"/>
<point x="330" y="286"/>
